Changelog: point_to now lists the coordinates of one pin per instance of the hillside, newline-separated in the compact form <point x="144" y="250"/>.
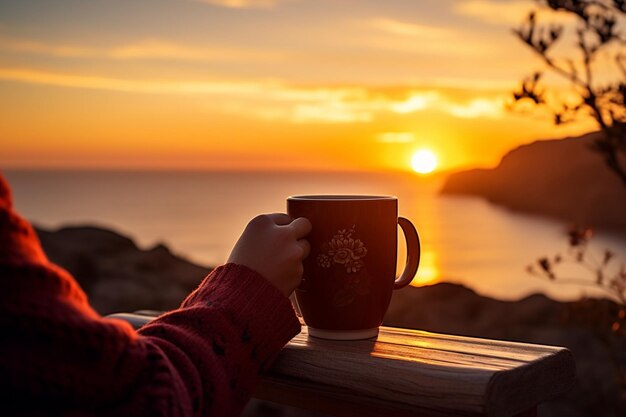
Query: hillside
<point x="560" y="178"/>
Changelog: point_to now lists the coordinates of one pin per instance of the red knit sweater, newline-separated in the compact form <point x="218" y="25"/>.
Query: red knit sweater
<point x="59" y="357"/>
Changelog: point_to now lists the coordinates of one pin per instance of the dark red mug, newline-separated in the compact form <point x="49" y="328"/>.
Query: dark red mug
<point x="350" y="272"/>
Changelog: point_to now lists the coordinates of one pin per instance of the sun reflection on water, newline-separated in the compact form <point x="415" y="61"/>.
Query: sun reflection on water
<point x="428" y="272"/>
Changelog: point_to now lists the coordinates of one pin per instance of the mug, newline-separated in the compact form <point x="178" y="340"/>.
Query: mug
<point x="350" y="272"/>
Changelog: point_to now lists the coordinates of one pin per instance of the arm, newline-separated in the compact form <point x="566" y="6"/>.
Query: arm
<point x="224" y="335"/>
<point x="202" y="359"/>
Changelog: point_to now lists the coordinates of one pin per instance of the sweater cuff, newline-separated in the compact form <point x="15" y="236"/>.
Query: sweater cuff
<point x="268" y="315"/>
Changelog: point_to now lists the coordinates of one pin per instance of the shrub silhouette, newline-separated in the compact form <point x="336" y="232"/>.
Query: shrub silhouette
<point x="596" y="37"/>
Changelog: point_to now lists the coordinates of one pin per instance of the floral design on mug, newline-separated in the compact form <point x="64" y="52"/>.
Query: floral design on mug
<point x="344" y="250"/>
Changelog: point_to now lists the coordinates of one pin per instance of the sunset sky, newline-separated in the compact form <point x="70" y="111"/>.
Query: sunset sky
<point x="262" y="84"/>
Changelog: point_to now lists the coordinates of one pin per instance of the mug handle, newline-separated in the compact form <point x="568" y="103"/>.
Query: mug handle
<point x="413" y="252"/>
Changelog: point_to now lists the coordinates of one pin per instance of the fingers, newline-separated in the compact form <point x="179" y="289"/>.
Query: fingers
<point x="306" y="247"/>
<point x="302" y="226"/>
<point x="280" y="219"/>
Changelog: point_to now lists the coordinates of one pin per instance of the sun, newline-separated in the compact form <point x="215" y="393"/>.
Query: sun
<point x="424" y="161"/>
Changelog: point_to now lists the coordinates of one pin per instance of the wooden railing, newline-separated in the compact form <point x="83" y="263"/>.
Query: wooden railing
<point x="413" y="373"/>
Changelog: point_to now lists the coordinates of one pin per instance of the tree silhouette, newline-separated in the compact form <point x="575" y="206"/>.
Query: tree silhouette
<point x="598" y="42"/>
<point x="597" y="38"/>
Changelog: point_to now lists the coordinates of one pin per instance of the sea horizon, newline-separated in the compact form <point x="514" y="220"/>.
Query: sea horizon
<point x="199" y="215"/>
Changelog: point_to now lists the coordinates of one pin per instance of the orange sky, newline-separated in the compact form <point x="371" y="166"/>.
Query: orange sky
<point x="262" y="84"/>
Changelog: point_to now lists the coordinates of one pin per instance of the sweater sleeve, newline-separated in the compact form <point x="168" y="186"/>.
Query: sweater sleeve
<point x="57" y="355"/>
<point x="225" y="334"/>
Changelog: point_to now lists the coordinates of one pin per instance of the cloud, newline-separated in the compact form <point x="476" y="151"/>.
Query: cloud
<point x="299" y="105"/>
<point x="414" y="38"/>
<point x="433" y="100"/>
<point x="479" y="107"/>
<point x="143" y="49"/>
<point x="415" y="102"/>
<point x="322" y="105"/>
<point x="245" y="4"/>
<point x="22" y="45"/>
<point x="343" y="106"/>
<point x="268" y="99"/>
<point x="396" y="27"/>
<point x="332" y="112"/>
<point x="129" y="85"/>
<point x="504" y="13"/>
<point x="396" y="137"/>
<point x="156" y="49"/>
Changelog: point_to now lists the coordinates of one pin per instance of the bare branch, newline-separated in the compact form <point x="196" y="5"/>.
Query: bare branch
<point x="598" y="29"/>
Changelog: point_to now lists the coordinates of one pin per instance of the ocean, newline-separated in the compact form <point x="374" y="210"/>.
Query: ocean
<point x="200" y="215"/>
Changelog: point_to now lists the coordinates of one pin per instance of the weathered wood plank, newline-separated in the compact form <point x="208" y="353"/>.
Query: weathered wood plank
<point x="414" y="373"/>
<point x="426" y="373"/>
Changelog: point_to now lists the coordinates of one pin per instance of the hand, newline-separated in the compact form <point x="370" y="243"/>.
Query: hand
<point x="273" y="246"/>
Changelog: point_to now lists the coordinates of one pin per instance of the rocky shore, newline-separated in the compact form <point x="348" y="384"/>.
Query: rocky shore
<point x="119" y="276"/>
<point x="116" y="274"/>
<point x="560" y="178"/>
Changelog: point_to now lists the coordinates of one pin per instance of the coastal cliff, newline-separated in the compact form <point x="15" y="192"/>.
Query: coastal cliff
<point x="561" y="178"/>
